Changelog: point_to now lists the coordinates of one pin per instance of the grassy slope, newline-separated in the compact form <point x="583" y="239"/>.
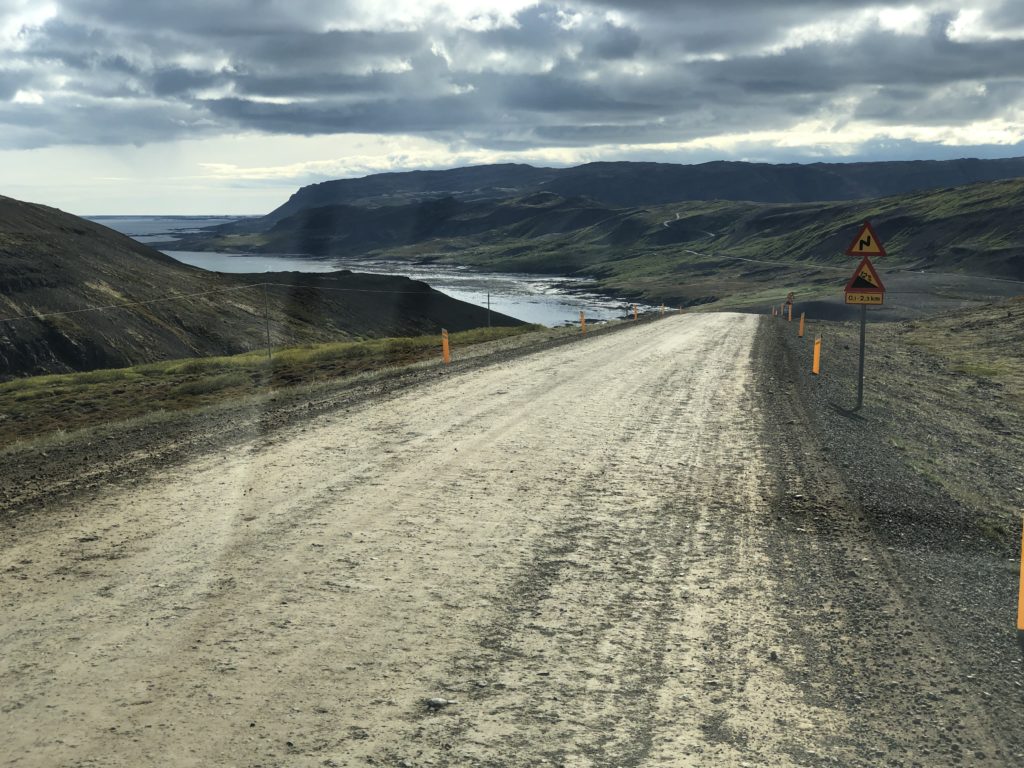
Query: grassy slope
<point x="58" y="265"/>
<point x="976" y="452"/>
<point x="977" y="229"/>
<point x="697" y="257"/>
<point x="42" y="404"/>
<point x="985" y="343"/>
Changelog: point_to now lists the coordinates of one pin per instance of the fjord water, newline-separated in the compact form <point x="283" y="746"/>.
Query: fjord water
<point x="544" y="299"/>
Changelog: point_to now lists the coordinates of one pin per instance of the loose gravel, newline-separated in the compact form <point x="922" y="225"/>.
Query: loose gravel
<point x="953" y="542"/>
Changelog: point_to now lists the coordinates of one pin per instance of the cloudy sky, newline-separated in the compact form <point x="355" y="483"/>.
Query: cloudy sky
<point x="227" y="106"/>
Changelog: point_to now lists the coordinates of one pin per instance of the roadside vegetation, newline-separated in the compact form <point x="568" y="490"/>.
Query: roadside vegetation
<point x="56" y="404"/>
<point x="985" y="343"/>
<point x="944" y="397"/>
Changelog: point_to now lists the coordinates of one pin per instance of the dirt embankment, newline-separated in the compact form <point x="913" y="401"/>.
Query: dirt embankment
<point x="630" y="551"/>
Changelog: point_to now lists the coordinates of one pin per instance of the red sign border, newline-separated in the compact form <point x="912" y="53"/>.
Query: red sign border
<point x="874" y="273"/>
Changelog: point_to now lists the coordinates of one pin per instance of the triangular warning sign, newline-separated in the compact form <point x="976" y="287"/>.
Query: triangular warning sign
<point x="866" y="243"/>
<point x="865" y="279"/>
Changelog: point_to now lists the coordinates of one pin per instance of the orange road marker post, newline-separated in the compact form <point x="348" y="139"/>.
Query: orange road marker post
<point x="816" y="364"/>
<point x="583" y="323"/>
<point x="446" y="354"/>
<point x="800" y="333"/>
<point x="1020" y="594"/>
<point x="635" y="313"/>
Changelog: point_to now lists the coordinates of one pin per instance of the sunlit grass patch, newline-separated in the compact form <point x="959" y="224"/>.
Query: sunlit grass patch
<point x="40" y="405"/>
<point x="983" y="343"/>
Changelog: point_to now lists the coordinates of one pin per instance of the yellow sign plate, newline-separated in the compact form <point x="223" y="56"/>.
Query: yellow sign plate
<point x="866" y="243"/>
<point x="864" y="298"/>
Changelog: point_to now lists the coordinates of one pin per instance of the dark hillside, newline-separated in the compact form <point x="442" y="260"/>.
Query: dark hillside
<point x="689" y="252"/>
<point x="347" y="230"/>
<point x="629" y="184"/>
<point x="474" y="182"/>
<point x="58" y="265"/>
<point x="977" y="229"/>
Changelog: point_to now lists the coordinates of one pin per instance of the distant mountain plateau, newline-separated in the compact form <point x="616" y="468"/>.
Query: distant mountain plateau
<point x="658" y="232"/>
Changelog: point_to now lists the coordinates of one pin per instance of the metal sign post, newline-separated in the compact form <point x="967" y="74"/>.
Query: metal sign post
<point x="860" y="369"/>
<point x="864" y="288"/>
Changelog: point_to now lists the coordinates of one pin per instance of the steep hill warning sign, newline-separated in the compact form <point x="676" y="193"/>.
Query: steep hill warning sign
<point x="866" y="243"/>
<point x="865" y="287"/>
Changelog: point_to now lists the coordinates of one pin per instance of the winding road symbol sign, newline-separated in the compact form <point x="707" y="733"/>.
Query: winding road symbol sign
<point x="866" y="243"/>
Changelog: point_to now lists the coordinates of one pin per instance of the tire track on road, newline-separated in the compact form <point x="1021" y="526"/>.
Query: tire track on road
<point x="611" y="553"/>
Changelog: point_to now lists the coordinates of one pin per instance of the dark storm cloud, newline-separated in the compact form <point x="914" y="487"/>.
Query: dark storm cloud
<point x="919" y="106"/>
<point x="217" y="18"/>
<point x="551" y="94"/>
<point x="882" y="58"/>
<point x="12" y="82"/>
<point x="564" y="73"/>
<point x="74" y="46"/>
<point x="617" y="42"/>
<point x="1009" y="16"/>
<point x="298" y="50"/>
<point x="703" y="26"/>
<point x="381" y="116"/>
<point x="178" y="81"/>
<point x="109" y="122"/>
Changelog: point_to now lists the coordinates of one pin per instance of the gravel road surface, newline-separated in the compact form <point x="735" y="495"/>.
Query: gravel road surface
<point x="621" y="552"/>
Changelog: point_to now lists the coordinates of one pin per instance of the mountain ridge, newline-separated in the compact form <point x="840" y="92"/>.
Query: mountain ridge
<point x="630" y="184"/>
<point x="668" y="252"/>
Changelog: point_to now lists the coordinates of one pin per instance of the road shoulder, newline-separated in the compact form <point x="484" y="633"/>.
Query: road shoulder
<point x="924" y="626"/>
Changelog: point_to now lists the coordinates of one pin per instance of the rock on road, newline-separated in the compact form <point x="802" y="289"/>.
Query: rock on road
<point x="594" y="555"/>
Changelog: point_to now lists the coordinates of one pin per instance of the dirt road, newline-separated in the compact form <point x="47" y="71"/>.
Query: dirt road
<point x="604" y="554"/>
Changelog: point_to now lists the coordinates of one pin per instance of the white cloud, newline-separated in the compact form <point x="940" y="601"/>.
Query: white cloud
<point x="972" y="25"/>
<point x="223" y="93"/>
<point x="19" y="15"/>
<point x="27" y="97"/>
<point x="474" y="15"/>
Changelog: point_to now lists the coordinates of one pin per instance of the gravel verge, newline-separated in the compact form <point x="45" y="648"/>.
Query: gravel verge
<point x="953" y="545"/>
